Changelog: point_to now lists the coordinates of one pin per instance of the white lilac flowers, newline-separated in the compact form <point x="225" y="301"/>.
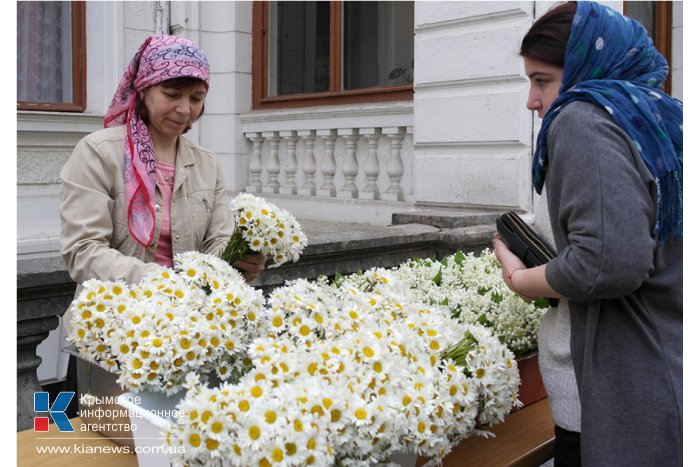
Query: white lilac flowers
<point x="472" y="288"/>
<point x="262" y="227"/>
<point x="349" y="376"/>
<point x="198" y="317"/>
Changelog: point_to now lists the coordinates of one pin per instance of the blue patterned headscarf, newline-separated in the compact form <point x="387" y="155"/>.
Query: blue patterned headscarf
<point x="611" y="62"/>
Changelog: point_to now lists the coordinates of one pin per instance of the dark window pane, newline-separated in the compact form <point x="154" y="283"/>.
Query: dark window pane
<point x="44" y="62"/>
<point x="377" y="44"/>
<point x="642" y="12"/>
<point x="299" y="46"/>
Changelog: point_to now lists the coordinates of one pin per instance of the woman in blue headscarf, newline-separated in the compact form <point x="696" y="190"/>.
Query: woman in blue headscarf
<point x="610" y="153"/>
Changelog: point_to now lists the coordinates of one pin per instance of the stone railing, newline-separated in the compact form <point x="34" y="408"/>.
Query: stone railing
<point x="338" y="158"/>
<point x="332" y="162"/>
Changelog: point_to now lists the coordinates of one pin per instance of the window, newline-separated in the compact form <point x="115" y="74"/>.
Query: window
<point x="51" y="56"/>
<point x="657" y="17"/>
<point x="320" y="53"/>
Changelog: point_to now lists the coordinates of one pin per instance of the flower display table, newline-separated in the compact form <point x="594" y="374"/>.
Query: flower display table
<point x="525" y="438"/>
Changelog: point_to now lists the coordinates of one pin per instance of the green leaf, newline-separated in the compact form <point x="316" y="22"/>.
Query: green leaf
<point x="496" y="298"/>
<point x="541" y="302"/>
<point x="459" y="257"/>
<point x="438" y="277"/>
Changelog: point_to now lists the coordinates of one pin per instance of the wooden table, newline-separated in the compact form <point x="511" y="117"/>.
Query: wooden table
<point x="525" y="439"/>
<point x="76" y="449"/>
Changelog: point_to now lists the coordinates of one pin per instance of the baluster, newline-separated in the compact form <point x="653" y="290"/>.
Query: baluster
<point x="371" y="165"/>
<point x="272" y="163"/>
<point x="394" y="167"/>
<point x="409" y="161"/>
<point x="327" y="189"/>
<point x="350" y="167"/>
<point x="290" y="167"/>
<point x="309" y="163"/>
<point x="255" y="164"/>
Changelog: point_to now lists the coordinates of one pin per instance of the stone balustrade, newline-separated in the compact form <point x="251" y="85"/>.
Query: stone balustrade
<point x="348" y="163"/>
<point x="365" y="163"/>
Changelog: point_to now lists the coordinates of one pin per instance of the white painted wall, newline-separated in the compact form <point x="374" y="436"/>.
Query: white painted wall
<point x="677" y="58"/>
<point x="472" y="131"/>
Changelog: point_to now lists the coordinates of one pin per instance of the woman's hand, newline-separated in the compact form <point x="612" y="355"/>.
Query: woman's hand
<point x="509" y="263"/>
<point x="251" y="265"/>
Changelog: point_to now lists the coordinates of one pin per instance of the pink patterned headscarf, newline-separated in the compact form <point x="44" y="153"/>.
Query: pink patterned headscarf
<point x="159" y="58"/>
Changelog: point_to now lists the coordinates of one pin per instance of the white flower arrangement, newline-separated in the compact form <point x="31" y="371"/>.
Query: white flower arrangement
<point x="348" y="376"/>
<point x="473" y="289"/>
<point x="197" y="317"/>
<point x="264" y="228"/>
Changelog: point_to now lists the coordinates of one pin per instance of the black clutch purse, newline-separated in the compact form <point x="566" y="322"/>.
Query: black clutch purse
<point x="524" y="242"/>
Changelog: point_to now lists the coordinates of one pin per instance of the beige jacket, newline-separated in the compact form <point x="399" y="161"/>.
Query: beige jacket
<point x="95" y="239"/>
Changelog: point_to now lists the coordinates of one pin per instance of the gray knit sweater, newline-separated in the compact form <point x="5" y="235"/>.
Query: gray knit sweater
<point x="557" y="368"/>
<point x="625" y="292"/>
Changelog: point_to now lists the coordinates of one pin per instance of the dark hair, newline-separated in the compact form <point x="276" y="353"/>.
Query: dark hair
<point x="182" y="82"/>
<point x="547" y="38"/>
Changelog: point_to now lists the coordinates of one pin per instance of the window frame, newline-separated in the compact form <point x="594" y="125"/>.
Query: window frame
<point x="663" y="34"/>
<point x="78" y="71"/>
<point x="335" y="96"/>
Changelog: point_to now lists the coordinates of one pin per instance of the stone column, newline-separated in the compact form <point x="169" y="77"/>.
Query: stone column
<point x="395" y="165"/>
<point x="371" y="165"/>
<point x="350" y="167"/>
<point x="255" y="165"/>
<point x="272" y="164"/>
<point x="328" y="165"/>
<point x="290" y="167"/>
<point x="309" y="162"/>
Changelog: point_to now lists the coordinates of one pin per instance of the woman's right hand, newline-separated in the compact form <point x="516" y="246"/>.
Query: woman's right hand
<point x="251" y="266"/>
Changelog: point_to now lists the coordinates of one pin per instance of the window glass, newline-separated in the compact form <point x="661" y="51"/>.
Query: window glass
<point x="298" y="48"/>
<point x="377" y="44"/>
<point x="331" y="53"/>
<point x="642" y="12"/>
<point x="44" y="48"/>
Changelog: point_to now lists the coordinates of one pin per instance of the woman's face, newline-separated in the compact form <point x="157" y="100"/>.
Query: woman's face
<point x="172" y="110"/>
<point x="545" y="82"/>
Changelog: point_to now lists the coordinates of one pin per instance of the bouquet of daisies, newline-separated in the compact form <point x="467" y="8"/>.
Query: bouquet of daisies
<point x="262" y="227"/>
<point x="346" y="376"/>
<point x="198" y="317"/>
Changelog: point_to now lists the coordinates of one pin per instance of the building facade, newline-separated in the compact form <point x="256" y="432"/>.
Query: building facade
<point x="347" y="112"/>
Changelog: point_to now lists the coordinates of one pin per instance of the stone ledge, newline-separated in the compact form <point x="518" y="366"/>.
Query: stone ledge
<point x="333" y="247"/>
<point x="447" y="218"/>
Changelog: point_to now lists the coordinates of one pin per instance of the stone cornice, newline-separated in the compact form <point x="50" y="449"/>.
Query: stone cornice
<point x="58" y="122"/>
<point x="401" y="113"/>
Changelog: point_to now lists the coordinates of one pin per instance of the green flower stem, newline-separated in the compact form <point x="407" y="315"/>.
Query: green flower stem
<point x="458" y="352"/>
<point x="235" y="249"/>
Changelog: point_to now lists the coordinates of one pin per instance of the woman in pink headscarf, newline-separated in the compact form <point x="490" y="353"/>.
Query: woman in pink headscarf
<point x="137" y="192"/>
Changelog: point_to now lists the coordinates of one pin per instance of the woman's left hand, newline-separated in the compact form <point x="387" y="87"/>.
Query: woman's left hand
<point x="251" y="265"/>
